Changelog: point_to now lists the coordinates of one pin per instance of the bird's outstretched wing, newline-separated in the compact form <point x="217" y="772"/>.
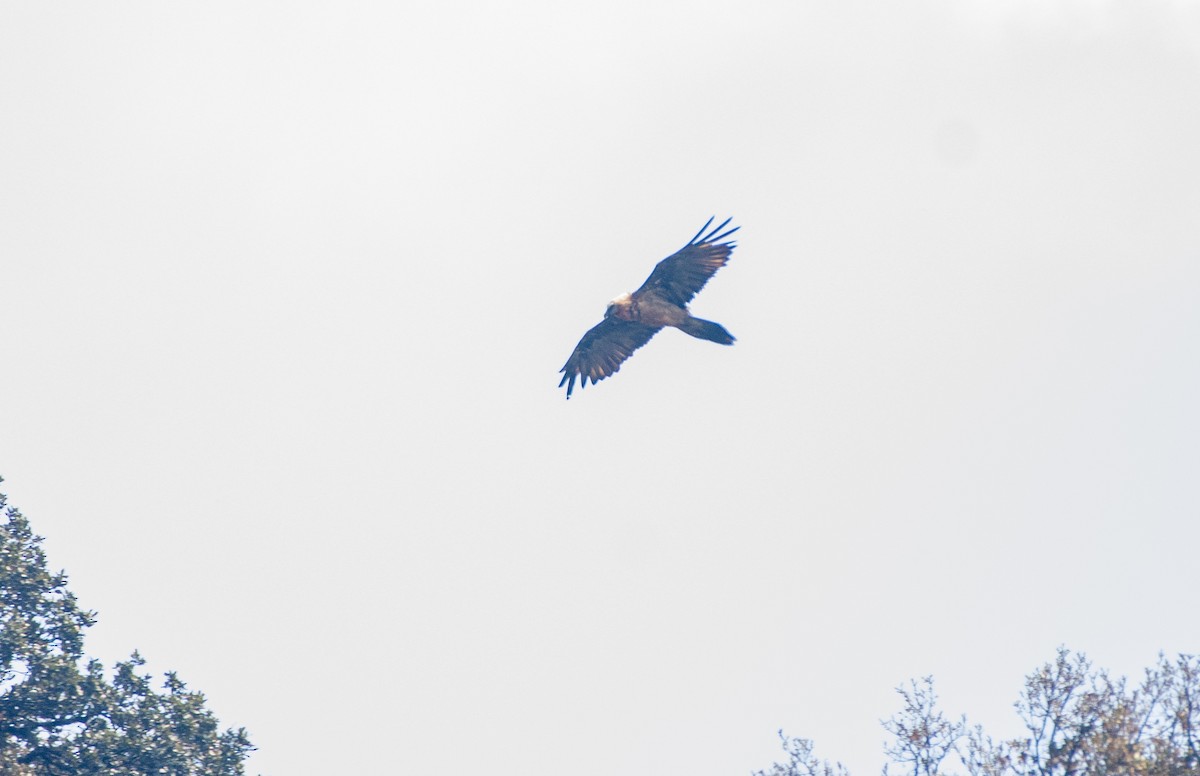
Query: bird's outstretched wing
<point x="680" y="276"/>
<point x="603" y="349"/>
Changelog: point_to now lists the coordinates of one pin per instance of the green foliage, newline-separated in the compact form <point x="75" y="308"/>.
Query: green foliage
<point x="1078" y="722"/>
<point x="62" y="716"/>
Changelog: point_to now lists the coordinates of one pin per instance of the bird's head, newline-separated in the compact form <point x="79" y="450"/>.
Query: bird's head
<point x="620" y="307"/>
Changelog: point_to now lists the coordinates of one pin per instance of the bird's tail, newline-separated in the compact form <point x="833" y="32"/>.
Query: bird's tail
<point x="715" y="332"/>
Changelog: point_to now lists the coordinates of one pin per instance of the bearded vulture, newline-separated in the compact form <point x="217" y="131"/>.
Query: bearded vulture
<point x="632" y="319"/>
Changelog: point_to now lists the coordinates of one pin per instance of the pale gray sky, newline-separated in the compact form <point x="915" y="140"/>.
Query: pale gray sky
<point x="286" y="287"/>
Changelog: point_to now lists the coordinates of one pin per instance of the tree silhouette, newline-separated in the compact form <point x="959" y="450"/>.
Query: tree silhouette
<point x="1078" y="722"/>
<point x="60" y="714"/>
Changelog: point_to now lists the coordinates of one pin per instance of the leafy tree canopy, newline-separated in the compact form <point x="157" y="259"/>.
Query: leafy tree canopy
<point x="62" y="714"/>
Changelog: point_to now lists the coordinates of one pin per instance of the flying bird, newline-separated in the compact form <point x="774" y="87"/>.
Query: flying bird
<point x="632" y="319"/>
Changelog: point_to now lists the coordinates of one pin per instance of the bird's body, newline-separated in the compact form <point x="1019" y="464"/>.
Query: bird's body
<point x="632" y="319"/>
<point x="649" y="310"/>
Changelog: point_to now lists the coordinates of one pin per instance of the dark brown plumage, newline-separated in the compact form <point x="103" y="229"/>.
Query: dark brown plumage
<point x="632" y="319"/>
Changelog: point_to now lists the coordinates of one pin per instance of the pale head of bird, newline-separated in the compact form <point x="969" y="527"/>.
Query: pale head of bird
<point x="621" y="307"/>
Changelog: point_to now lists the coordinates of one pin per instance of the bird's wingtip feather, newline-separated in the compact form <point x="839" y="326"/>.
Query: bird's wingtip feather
<point x="697" y="237"/>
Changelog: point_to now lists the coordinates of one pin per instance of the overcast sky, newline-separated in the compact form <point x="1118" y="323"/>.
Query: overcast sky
<point x="285" y="288"/>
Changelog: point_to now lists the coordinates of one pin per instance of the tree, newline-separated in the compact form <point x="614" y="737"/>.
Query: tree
<point x="922" y="736"/>
<point x="61" y="714"/>
<point x="801" y="761"/>
<point x="1078" y="722"/>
